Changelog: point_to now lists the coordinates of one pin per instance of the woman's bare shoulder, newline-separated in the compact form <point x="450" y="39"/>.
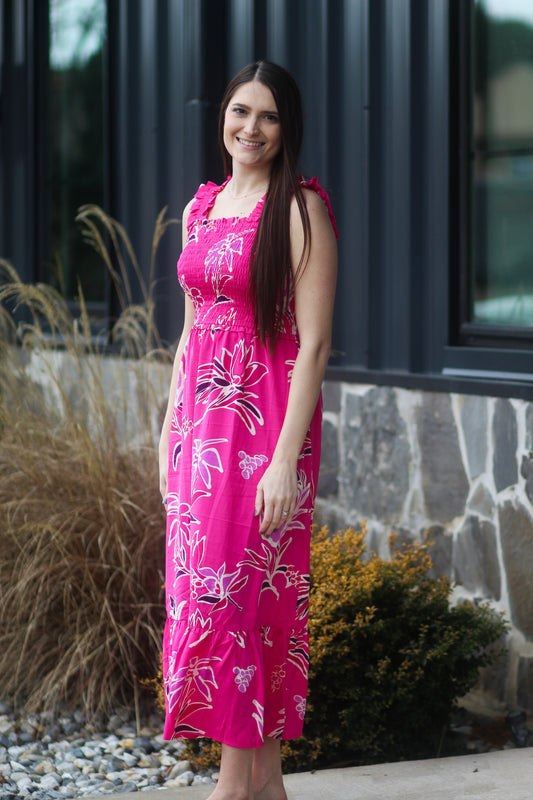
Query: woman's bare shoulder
<point x="316" y="209"/>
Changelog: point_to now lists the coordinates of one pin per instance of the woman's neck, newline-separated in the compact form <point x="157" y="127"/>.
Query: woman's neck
<point x="247" y="182"/>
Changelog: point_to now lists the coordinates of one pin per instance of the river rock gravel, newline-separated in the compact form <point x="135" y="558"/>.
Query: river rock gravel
<point x="47" y="756"/>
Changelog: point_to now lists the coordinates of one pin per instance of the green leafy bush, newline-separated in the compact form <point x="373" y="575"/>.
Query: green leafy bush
<point x="389" y="654"/>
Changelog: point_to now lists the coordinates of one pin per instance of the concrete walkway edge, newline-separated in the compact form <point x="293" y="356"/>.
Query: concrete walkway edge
<point x="502" y="775"/>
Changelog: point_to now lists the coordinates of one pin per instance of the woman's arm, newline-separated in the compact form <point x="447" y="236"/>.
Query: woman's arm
<point x="314" y="297"/>
<point x="187" y="325"/>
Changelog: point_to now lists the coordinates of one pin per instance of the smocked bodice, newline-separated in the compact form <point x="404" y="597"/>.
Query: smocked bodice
<point x="213" y="268"/>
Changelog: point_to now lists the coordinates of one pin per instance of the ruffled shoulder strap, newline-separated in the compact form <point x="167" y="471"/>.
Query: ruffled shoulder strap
<point x="312" y="183"/>
<point x="204" y="200"/>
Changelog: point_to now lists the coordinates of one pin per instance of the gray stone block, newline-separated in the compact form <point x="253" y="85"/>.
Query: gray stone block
<point x="440" y="551"/>
<point x="334" y="517"/>
<point x="444" y="481"/>
<point x="516" y="536"/>
<point x="524" y="689"/>
<point x="493" y="679"/>
<point x="482" y="501"/>
<point x="377" y="457"/>
<point x="402" y="538"/>
<point x="331" y="396"/>
<point x="526" y="471"/>
<point x="475" y="558"/>
<point x="529" y="426"/>
<point x="474" y="417"/>
<point x="505" y="441"/>
<point x="329" y="460"/>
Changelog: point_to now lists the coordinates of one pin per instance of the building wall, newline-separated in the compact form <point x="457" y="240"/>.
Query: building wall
<point x="452" y="468"/>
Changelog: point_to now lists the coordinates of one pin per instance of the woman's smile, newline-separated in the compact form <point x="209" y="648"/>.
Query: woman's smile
<point x="249" y="143"/>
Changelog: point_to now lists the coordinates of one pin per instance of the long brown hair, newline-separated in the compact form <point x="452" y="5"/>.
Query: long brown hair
<point x="270" y="263"/>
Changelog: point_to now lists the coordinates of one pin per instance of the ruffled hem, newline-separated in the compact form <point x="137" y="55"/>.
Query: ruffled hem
<point x="236" y="687"/>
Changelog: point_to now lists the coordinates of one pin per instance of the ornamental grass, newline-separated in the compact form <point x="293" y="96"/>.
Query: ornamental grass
<point x="81" y="521"/>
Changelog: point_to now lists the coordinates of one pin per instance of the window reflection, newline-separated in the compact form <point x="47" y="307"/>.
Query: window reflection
<point x="75" y="142"/>
<point x="502" y="180"/>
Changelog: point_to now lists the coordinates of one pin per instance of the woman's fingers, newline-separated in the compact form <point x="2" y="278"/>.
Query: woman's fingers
<point x="276" y="514"/>
<point x="275" y="498"/>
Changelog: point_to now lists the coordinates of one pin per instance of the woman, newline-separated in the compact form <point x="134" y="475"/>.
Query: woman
<point x="240" y="443"/>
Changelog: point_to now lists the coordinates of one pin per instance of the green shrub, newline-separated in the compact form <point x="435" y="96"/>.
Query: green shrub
<point x="389" y="654"/>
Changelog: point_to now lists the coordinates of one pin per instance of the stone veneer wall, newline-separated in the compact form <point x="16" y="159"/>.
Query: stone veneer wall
<point x="459" y="467"/>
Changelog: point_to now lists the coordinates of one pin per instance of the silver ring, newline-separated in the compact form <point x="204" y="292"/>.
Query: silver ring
<point x="284" y="512"/>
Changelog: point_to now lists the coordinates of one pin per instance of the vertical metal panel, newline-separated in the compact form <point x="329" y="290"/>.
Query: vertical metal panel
<point x="418" y="200"/>
<point x="429" y="187"/>
<point x="146" y="74"/>
<point x="241" y="34"/>
<point x="278" y="42"/>
<point x="347" y="113"/>
<point x="390" y="223"/>
<point x="124" y="52"/>
<point x="172" y="182"/>
<point x="18" y="196"/>
<point x="312" y="75"/>
<point x="397" y="103"/>
<point x="437" y="187"/>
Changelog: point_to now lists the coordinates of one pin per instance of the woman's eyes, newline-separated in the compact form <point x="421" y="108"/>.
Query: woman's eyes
<point x="242" y="112"/>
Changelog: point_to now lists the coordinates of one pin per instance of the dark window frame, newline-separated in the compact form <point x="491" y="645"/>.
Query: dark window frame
<point x="454" y="356"/>
<point x="464" y="332"/>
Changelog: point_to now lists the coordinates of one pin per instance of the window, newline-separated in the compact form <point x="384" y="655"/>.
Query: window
<point x="501" y="167"/>
<point x="74" y="144"/>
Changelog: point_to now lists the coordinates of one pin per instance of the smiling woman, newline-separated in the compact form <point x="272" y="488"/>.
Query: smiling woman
<point x="240" y="445"/>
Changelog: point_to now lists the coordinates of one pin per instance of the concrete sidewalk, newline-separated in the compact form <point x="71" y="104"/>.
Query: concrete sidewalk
<point x="503" y="775"/>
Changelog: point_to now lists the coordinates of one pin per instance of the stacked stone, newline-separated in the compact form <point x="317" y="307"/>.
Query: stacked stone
<point x="457" y="470"/>
<point x="44" y="757"/>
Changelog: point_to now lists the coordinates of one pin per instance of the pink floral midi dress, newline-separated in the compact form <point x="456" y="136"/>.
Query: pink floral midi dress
<point x="235" y="650"/>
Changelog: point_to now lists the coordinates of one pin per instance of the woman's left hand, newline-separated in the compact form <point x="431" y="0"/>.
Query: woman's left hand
<point x="276" y="494"/>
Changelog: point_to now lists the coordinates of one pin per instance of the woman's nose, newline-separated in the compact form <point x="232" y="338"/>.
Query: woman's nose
<point x="252" y="124"/>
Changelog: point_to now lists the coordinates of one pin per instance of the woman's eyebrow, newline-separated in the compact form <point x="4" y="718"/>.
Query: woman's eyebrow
<point x="247" y="108"/>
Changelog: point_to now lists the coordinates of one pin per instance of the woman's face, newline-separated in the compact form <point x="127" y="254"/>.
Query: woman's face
<point x="252" y="130"/>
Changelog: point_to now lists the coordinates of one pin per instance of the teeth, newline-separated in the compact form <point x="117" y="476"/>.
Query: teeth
<point x="250" y="144"/>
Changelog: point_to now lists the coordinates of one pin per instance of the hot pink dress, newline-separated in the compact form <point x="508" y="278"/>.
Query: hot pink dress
<point x="235" y="651"/>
